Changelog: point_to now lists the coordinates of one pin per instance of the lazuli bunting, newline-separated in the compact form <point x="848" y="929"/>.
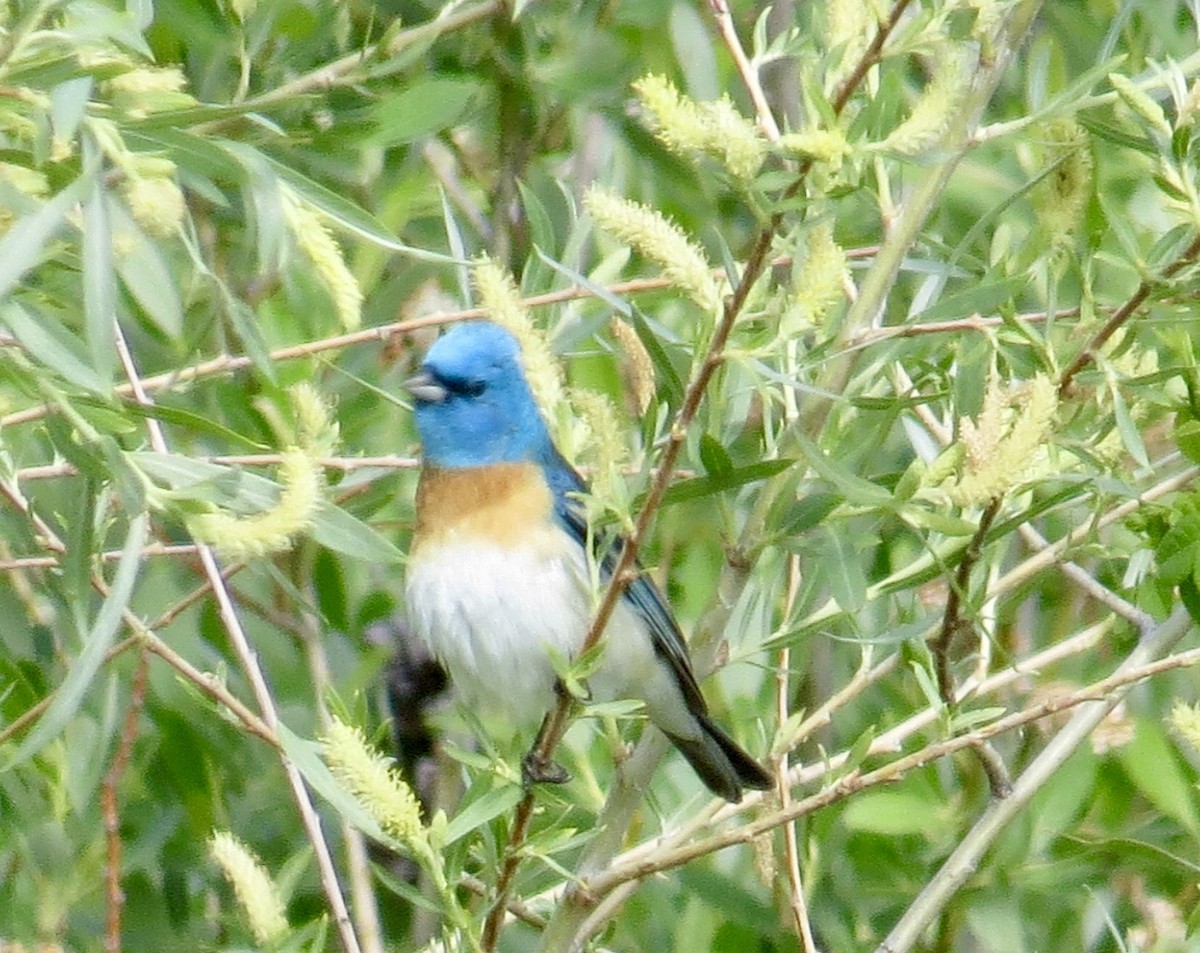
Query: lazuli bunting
<point x="498" y="575"/>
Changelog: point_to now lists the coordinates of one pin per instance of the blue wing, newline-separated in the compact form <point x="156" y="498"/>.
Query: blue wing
<point x="642" y="593"/>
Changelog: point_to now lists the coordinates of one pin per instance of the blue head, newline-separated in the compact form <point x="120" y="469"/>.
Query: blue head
<point x="472" y="403"/>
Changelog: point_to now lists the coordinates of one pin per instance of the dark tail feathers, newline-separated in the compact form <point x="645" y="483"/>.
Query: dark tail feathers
<point x="723" y="766"/>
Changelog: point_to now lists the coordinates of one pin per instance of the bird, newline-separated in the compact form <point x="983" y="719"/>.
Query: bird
<point x="498" y="580"/>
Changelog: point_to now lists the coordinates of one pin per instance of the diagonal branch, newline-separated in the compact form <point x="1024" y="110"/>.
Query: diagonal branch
<point x="1088" y="354"/>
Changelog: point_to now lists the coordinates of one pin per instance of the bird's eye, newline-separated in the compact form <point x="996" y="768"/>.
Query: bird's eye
<point x="465" y="388"/>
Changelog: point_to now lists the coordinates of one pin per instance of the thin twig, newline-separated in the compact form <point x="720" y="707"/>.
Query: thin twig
<point x="853" y="782"/>
<point x="1089" y="351"/>
<point x="749" y="75"/>
<point x="262" y="693"/>
<point x="953" y="621"/>
<point x="227" y="363"/>
<point x="791" y="848"/>
<point x="873" y="54"/>
<point x="109" y="809"/>
<point x="364" y="903"/>
<point x="975" y="323"/>
<point x="955" y="872"/>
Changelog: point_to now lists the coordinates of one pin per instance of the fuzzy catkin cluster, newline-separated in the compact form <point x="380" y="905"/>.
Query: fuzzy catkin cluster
<point x="714" y="128"/>
<point x="316" y="241"/>
<point x="1061" y="197"/>
<point x="662" y="241"/>
<point x="256" y="892"/>
<point x="301" y="483"/>
<point x="499" y="296"/>
<point x="374" y="782"/>
<point x="1003" y="444"/>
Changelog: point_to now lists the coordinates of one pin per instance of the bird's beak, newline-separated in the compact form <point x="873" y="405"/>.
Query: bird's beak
<point x="425" y="389"/>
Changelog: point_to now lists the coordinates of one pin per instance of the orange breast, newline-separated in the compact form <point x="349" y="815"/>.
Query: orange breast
<point x="503" y="503"/>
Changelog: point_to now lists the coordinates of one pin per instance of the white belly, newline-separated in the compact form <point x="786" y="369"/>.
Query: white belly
<point x="494" y="616"/>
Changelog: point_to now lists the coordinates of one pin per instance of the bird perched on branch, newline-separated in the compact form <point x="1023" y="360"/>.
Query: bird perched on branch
<point x="498" y="578"/>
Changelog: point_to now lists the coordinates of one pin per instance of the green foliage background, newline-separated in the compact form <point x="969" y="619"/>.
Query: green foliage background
<point x="804" y="540"/>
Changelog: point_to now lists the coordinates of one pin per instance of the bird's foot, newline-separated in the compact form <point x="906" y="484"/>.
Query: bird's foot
<point x="538" y="769"/>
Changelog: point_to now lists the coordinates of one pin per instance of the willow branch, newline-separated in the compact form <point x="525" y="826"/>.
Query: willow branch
<point x="1000" y="813"/>
<point x="1123" y="314"/>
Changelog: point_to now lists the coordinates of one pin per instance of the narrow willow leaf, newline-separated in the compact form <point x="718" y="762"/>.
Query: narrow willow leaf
<point x="305" y="755"/>
<point x="24" y="244"/>
<point x="724" y="480"/>
<point x="472" y="817"/>
<point x="44" y="337"/>
<point x="715" y="457"/>
<point x="670" y="385"/>
<point x="348" y="216"/>
<point x="245" y="325"/>
<point x="426" y="107"/>
<point x="336" y="529"/>
<point x="99" y="285"/>
<point x="146" y="275"/>
<point x="853" y="487"/>
<point x="96" y="643"/>
<point x="1131" y="436"/>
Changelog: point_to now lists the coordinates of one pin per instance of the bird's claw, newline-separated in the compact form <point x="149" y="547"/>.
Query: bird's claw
<point x="538" y="769"/>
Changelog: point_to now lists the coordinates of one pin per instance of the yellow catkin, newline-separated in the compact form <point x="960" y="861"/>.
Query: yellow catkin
<point x="821" y="283"/>
<point x="149" y="89"/>
<point x="716" y="128"/>
<point x="316" y="430"/>
<point x="316" y="241"/>
<point x="931" y="114"/>
<point x="662" y="241"/>
<point x="499" y="296"/>
<point x="604" y="444"/>
<point x="156" y="204"/>
<point x="1003" y="444"/>
<point x="149" y="79"/>
<point x="1185" y="720"/>
<point x="274" y="530"/>
<point x="1141" y="103"/>
<point x="637" y="366"/>
<point x="1061" y="197"/>
<point x="374" y="782"/>
<point x="252" y="885"/>
<point x="827" y="146"/>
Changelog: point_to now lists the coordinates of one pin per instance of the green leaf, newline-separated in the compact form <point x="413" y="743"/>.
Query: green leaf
<point x="345" y="214"/>
<point x="670" y="386"/>
<point x="1187" y="437"/>
<point x="96" y="643"/>
<point x="982" y="298"/>
<point x="807" y="512"/>
<point x="1154" y="768"/>
<point x="475" y="815"/>
<point x="854" y="488"/>
<point x="146" y="275"/>
<point x="188" y="420"/>
<point x="338" y="530"/>
<point x="305" y="755"/>
<point x="24" y="244"/>
<point x="99" y="285"/>
<point x="723" y="481"/>
<point x="1131" y="436"/>
<point x="245" y="325"/>
<point x="52" y="344"/>
<point x="715" y="457"/>
<point x="428" y="106"/>
<point x="842" y="572"/>
<point x="894" y="814"/>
